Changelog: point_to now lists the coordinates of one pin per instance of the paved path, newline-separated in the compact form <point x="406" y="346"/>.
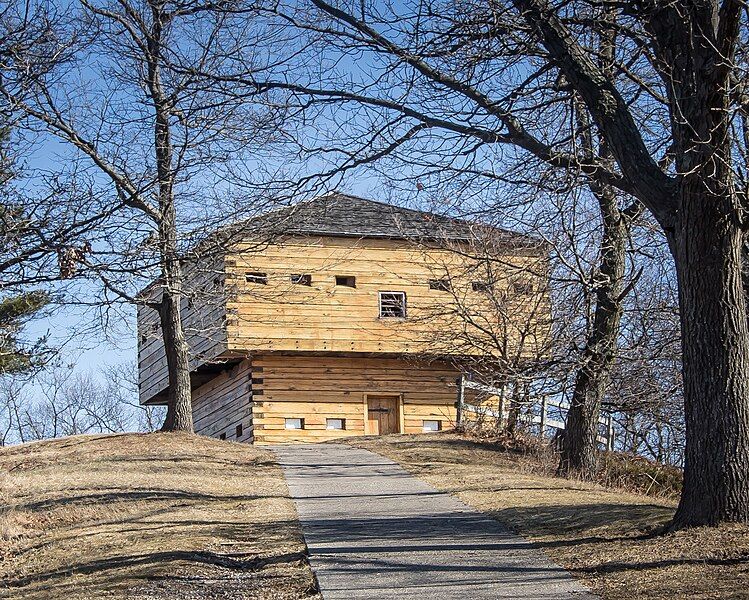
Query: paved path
<point x="375" y="531"/>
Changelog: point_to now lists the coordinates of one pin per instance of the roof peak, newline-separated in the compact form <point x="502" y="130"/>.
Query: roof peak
<point x="340" y="214"/>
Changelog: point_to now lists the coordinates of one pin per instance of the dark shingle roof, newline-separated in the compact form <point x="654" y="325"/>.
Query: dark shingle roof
<point x="338" y="214"/>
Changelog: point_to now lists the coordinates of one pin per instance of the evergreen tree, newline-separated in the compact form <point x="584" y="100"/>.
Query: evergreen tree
<point x="16" y="307"/>
<point x="15" y="311"/>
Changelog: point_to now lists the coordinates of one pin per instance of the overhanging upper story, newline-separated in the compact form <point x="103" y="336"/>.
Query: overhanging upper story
<point x="345" y="275"/>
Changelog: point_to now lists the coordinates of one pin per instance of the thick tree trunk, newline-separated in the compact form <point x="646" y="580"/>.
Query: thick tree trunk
<point x="179" y="407"/>
<point x="179" y="411"/>
<point x="580" y="448"/>
<point x="707" y="245"/>
<point x="513" y="415"/>
<point x="715" y="345"/>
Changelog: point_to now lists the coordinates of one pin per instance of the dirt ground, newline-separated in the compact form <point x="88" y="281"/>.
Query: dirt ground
<point x="611" y="539"/>
<point x="158" y="516"/>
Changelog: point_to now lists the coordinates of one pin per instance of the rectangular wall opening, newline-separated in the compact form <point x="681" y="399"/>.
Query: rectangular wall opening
<point x="393" y="304"/>
<point x="256" y="277"/>
<point x="441" y="285"/>
<point x="301" y="279"/>
<point x="345" y="280"/>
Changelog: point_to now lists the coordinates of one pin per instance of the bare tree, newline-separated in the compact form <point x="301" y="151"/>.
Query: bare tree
<point x="120" y="383"/>
<point x="12" y="397"/>
<point x="579" y="450"/>
<point x="63" y="401"/>
<point x="148" y="137"/>
<point x="501" y="76"/>
<point x="495" y="304"/>
<point x="700" y="210"/>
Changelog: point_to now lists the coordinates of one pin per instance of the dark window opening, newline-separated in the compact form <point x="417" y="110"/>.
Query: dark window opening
<point x="522" y="287"/>
<point x="222" y="436"/>
<point x="301" y="279"/>
<point x="239" y="430"/>
<point x="345" y="280"/>
<point x="442" y="285"/>
<point x="261" y="278"/>
<point x="480" y="286"/>
<point x="393" y="304"/>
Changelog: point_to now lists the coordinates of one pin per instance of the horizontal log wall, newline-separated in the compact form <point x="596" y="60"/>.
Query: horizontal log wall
<point x="317" y="388"/>
<point x="226" y="315"/>
<point x="225" y="402"/>
<point x="204" y="322"/>
<point x="325" y="317"/>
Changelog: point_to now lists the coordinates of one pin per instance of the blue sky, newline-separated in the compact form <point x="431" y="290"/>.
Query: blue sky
<point x="74" y="330"/>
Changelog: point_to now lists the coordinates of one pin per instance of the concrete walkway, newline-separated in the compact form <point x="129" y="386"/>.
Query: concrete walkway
<point x="375" y="531"/>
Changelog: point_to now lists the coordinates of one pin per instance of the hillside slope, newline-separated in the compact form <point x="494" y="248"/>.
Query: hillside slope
<point x="147" y="516"/>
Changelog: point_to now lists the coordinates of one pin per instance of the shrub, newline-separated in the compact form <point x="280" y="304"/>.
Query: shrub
<point x="639" y="474"/>
<point x="615" y="469"/>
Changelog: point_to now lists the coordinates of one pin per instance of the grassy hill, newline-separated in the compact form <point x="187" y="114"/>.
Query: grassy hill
<point x="171" y="516"/>
<point x="147" y="516"/>
<point x="608" y="537"/>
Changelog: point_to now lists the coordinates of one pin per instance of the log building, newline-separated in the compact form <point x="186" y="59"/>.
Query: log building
<point x="343" y="316"/>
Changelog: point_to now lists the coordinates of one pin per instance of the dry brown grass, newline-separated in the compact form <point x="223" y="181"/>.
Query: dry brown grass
<point x="147" y="516"/>
<point x="609" y="538"/>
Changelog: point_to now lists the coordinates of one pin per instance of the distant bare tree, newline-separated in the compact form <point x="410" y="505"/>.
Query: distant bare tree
<point x="120" y="382"/>
<point x="12" y="397"/>
<point x="646" y="392"/>
<point x="65" y="401"/>
<point x="111" y="80"/>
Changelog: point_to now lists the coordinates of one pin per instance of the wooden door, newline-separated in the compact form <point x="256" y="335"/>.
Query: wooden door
<point x="382" y="414"/>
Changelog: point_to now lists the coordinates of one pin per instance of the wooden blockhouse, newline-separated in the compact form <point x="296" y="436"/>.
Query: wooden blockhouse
<point x="337" y="317"/>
